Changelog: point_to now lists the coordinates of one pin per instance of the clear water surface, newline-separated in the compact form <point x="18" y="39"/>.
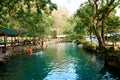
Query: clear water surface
<point x="62" y="61"/>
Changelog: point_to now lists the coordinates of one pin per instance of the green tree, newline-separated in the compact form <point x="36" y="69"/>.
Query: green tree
<point x="17" y="8"/>
<point x="112" y="24"/>
<point x="54" y="34"/>
<point x="84" y="21"/>
<point x="112" y="27"/>
<point x="69" y="27"/>
<point x="100" y="11"/>
<point x="28" y="14"/>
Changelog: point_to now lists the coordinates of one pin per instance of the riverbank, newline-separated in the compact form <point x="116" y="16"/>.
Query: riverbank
<point x="10" y="53"/>
<point x="22" y="49"/>
<point x="113" y="54"/>
<point x="17" y="50"/>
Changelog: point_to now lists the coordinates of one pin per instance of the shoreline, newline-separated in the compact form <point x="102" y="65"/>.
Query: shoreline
<point x="18" y="50"/>
<point x="113" y="58"/>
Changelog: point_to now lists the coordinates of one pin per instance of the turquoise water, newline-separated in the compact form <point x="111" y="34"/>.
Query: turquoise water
<point x="63" y="61"/>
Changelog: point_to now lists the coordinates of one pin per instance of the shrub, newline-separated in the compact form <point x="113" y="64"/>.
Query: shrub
<point x="89" y="47"/>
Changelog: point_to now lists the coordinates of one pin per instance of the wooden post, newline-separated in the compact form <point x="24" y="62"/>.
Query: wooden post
<point x="5" y="41"/>
<point x="18" y="39"/>
<point x="12" y="42"/>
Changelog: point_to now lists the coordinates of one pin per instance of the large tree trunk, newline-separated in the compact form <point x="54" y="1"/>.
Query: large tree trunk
<point x="98" y="25"/>
<point x="99" y="16"/>
<point x="97" y="28"/>
<point x="99" y="31"/>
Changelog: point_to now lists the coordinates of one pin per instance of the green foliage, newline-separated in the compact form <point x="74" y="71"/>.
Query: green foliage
<point x="7" y="10"/>
<point x="88" y="46"/>
<point x="112" y="23"/>
<point x="54" y="34"/>
<point x="32" y="16"/>
<point x="112" y="26"/>
<point x="37" y="24"/>
<point x="69" y="28"/>
<point x="83" y="19"/>
<point x="101" y="10"/>
<point x="81" y="23"/>
<point x="91" y="18"/>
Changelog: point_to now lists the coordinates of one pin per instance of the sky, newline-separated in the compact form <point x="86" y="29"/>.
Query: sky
<point x="72" y="5"/>
<point x="118" y="12"/>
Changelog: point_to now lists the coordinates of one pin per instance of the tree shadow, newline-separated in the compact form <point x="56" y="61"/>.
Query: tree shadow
<point x="109" y="73"/>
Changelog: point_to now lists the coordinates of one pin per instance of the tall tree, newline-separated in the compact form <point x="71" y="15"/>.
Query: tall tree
<point x="69" y="27"/>
<point x="100" y="11"/>
<point x="84" y="20"/>
<point x="17" y="8"/>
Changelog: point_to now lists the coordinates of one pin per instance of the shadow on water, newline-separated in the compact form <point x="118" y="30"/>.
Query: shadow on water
<point x="109" y="73"/>
<point x="2" y="70"/>
<point x="24" y="67"/>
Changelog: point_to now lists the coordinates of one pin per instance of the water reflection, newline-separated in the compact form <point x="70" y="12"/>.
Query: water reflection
<point x="61" y="67"/>
<point x="62" y="73"/>
<point x="63" y="61"/>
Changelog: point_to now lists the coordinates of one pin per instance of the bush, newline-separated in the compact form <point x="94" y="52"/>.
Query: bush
<point x="89" y="47"/>
<point x="79" y="41"/>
